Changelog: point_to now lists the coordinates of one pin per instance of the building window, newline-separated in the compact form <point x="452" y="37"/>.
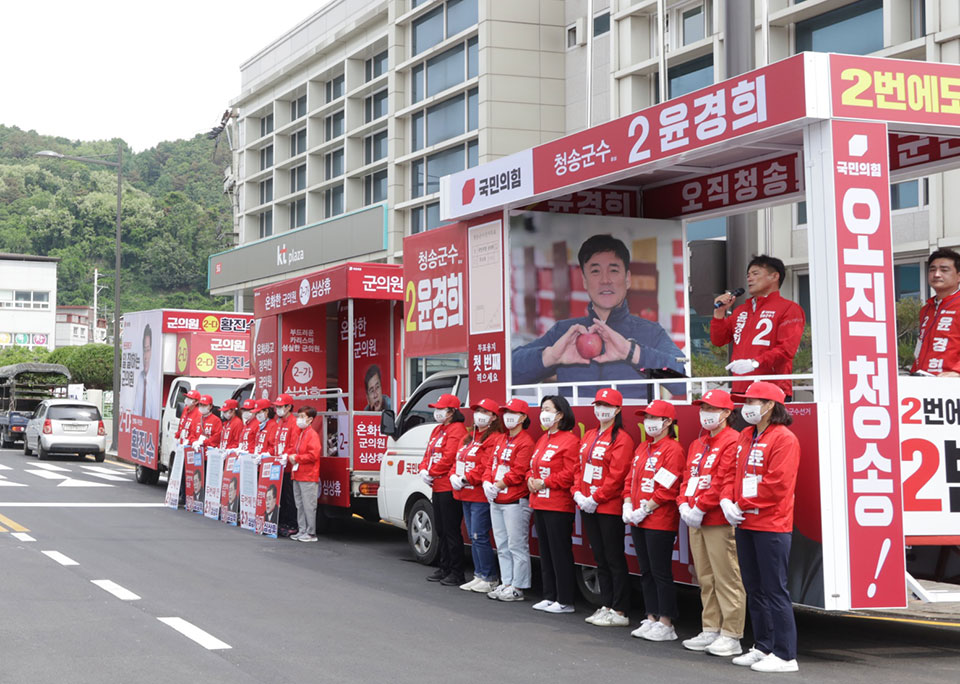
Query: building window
<point x="425" y="218"/>
<point x="375" y="106"/>
<point x="425" y="173"/>
<point x="687" y="77"/>
<point x="376" y="66"/>
<point x="375" y="147"/>
<point x="266" y="125"/>
<point x="298" y="108"/>
<point x="334" y="88"/>
<point x="601" y="24"/>
<point x="572" y="36"/>
<point x="266" y="191"/>
<point x="333" y="201"/>
<point x="298" y="142"/>
<point x="266" y="223"/>
<point x="298" y="213"/>
<point x="445" y="120"/>
<point x="918" y="19"/>
<point x="334" y="125"/>
<point x="693" y="23"/>
<point x="334" y="164"/>
<point x="855" y="29"/>
<point x="446" y="70"/>
<point x="375" y="187"/>
<point x="266" y="157"/>
<point x="907" y="281"/>
<point x="801" y="213"/>
<point x="444" y="21"/>
<point x="908" y="195"/>
<point x="25" y="299"/>
<point x="461" y="15"/>
<point x="298" y="178"/>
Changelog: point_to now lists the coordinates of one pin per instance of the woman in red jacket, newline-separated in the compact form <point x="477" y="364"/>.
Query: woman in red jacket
<point x="435" y="470"/>
<point x="267" y="428"/>
<point x="555" y="459"/>
<point x="758" y="501"/>
<point x="597" y="489"/>
<point x="305" y="475"/>
<point x="710" y="463"/>
<point x="650" y="507"/>
<point x="472" y="463"/>
<point x="248" y="438"/>
<point x="505" y="485"/>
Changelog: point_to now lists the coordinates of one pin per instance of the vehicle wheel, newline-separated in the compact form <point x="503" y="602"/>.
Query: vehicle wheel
<point x="588" y="582"/>
<point x="42" y="454"/>
<point x="5" y="441"/>
<point x="100" y="456"/>
<point x="420" y="532"/>
<point x="26" y="449"/>
<point x="145" y="475"/>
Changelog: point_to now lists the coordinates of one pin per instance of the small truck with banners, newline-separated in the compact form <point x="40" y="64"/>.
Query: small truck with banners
<point x="22" y="387"/>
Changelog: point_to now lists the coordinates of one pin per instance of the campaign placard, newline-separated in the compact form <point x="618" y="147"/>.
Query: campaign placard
<point x="214" y="481"/>
<point x="268" y="496"/>
<point x="172" y="498"/>
<point x="248" y="491"/>
<point x="230" y="489"/>
<point x="193" y="472"/>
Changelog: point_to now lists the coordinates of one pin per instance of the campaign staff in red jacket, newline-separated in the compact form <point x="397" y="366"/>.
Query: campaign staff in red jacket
<point x="267" y="428"/>
<point x="288" y="435"/>
<point x="435" y="470"/>
<point x="605" y="453"/>
<point x="305" y="475"/>
<point x="938" y="349"/>
<point x="473" y="460"/>
<point x="711" y="460"/>
<point x="210" y="424"/>
<point x="505" y="485"/>
<point x="190" y="419"/>
<point x="232" y="426"/>
<point x="765" y="330"/>
<point x="248" y="438"/>
<point x="759" y="502"/>
<point x="552" y="467"/>
<point x="650" y="507"/>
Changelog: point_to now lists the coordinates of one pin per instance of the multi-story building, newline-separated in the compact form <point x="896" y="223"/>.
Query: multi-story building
<point x="28" y="299"/>
<point x="76" y="326"/>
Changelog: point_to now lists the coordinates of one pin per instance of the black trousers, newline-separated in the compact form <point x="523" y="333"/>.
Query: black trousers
<point x="655" y="557"/>
<point x="448" y="514"/>
<point x="555" y="536"/>
<point x="605" y="533"/>
<point x="288" y="505"/>
<point x="764" y="557"/>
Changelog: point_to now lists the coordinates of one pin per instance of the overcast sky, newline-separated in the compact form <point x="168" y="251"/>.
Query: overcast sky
<point x="141" y="71"/>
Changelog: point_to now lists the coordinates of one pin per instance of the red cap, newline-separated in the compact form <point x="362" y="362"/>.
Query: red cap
<point x="446" y="401"/>
<point x="283" y="400"/>
<point x="609" y="396"/>
<point x="206" y="400"/>
<point x="263" y="404"/>
<point x="486" y="404"/>
<point x="762" y="390"/>
<point x="229" y="405"/>
<point x="249" y="404"/>
<point x="193" y="394"/>
<point x="717" y="398"/>
<point x="659" y="408"/>
<point x="515" y="405"/>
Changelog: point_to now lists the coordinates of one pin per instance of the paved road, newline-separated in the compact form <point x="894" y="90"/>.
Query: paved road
<point x="351" y="608"/>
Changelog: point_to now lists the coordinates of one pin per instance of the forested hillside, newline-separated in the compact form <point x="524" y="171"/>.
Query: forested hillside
<point x="174" y="216"/>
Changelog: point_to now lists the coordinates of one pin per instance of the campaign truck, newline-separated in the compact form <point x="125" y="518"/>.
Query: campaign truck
<point x="166" y="353"/>
<point x="22" y="387"/>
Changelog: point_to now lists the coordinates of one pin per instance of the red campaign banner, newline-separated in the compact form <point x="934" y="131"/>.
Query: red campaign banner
<point x="193" y="479"/>
<point x="137" y="438"/>
<point x="623" y="202"/>
<point x="375" y="281"/>
<point x="214" y="355"/>
<point x="779" y="177"/>
<point x="269" y="484"/>
<point x="369" y="444"/>
<point x="752" y="102"/>
<point x="371" y="354"/>
<point x="434" y="307"/>
<point x="355" y="280"/>
<point x="265" y="356"/>
<point x="908" y="151"/>
<point x="895" y="90"/>
<point x="303" y="353"/>
<point x="230" y="489"/>
<point x="334" y="487"/>
<point x="488" y="373"/>
<point x="206" y="321"/>
<point x="868" y="346"/>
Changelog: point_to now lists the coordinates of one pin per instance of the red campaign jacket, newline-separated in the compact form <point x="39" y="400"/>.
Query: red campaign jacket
<point x="248" y="438"/>
<point x="767" y="330"/>
<point x="266" y="438"/>
<point x="510" y="463"/>
<point x="555" y="461"/>
<point x="775" y="457"/>
<point x="190" y="425"/>
<point x="472" y="462"/>
<point x="286" y="441"/>
<point x="307" y="467"/>
<point x="938" y="348"/>
<point x="210" y="433"/>
<point x="647" y="461"/>
<point x="438" y="460"/>
<point x="713" y="460"/>
<point x="610" y="465"/>
<point x="230" y="433"/>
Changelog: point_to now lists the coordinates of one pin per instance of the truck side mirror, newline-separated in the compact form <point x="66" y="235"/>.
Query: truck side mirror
<point x="388" y="423"/>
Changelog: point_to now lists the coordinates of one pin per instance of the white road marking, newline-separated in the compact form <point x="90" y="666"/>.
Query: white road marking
<point x="46" y="474"/>
<point x="106" y="474"/>
<point x="50" y="466"/>
<point x="22" y="536"/>
<point x="4" y="482"/>
<point x="72" y="482"/>
<point x="113" y="588"/>
<point x="65" y="504"/>
<point x="60" y="558"/>
<point x="5" y="467"/>
<point x="191" y="631"/>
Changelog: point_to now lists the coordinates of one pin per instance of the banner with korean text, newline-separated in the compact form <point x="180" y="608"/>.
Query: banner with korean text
<point x="248" y="491"/>
<point x="269" y="483"/>
<point x="303" y="352"/>
<point x="486" y="358"/>
<point x="213" y="483"/>
<point x="265" y="357"/>
<point x="370" y="357"/>
<point x="193" y="476"/>
<point x="230" y="489"/>
<point x="172" y="497"/>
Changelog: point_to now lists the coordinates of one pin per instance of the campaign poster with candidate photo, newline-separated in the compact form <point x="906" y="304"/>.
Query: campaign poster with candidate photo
<point x="141" y="387"/>
<point x="172" y="496"/>
<point x="248" y="491"/>
<point x="214" y="482"/>
<point x="193" y="474"/>
<point x="596" y="299"/>
<point x="230" y="489"/>
<point x="268" y="496"/>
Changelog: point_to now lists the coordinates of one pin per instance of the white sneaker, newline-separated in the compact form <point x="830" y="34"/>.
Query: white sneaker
<point x="612" y="619"/>
<point x="495" y="594"/>
<point x="296" y="536"/>
<point x="749" y="658"/>
<point x="644" y="627"/>
<point x="542" y="605"/>
<point x="511" y="594"/>
<point x="701" y="641"/>
<point x="598" y="613"/>
<point x="774" y="663"/>
<point x="725" y="647"/>
<point x="661" y="632"/>
<point x="557" y="607"/>
<point x="468" y="586"/>
<point x="483" y="586"/>
<point x="307" y="538"/>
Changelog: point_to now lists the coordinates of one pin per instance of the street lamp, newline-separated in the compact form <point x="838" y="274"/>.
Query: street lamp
<point x="116" y="278"/>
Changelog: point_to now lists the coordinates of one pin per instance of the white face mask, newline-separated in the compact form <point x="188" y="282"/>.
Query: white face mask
<point x="604" y="413"/>
<point x="190" y="403"/>
<point x="283" y="411"/>
<point x="481" y="420"/>
<point x="302" y="423"/>
<point x="262" y="416"/>
<point x="753" y="413"/>
<point x="511" y="420"/>
<point x="653" y="426"/>
<point x="548" y="418"/>
<point x="204" y="410"/>
<point x="709" y="420"/>
<point x="247" y="415"/>
<point x="439" y="415"/>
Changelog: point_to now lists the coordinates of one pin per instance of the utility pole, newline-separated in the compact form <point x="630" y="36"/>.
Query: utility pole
<point x="93" y="323"/>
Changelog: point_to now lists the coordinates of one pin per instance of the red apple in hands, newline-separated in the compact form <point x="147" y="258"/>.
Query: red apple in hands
<point x="589" y="345"/>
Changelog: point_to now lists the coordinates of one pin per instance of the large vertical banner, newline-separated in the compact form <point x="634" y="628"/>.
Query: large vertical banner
<point x="268" y="496"/>
<point x="141" y="387"/>
<point x="248" y="491"/>
<point x="230" y="489"/>
<point x="214" y="482"/>
<point x="868" y="345"/>
<point x="303" y="352"/>
<point x="371" y="389"/>
<point x="487" y="340"/>
<point x="193" y="476"/>
<point x="264" y="332"/>
<point x="172" y="497"/>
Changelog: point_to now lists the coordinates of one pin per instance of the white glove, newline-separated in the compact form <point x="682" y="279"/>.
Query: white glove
<point x="684" y="511"/>
<point x="491" y="490"/>
<point x="694" y="518"/>
<point x="425" y="476"/>
<point x="198" y="444"/>
<point x="742" y="366"/>
<point x="731" y="512"/>
<point x="639" y="513"/>
<point x="456" y="482"/>
<point x="589" y="505"/>
<point x="282" y="460"/>
<point x="578" y="498"/>
<point x="627" y="512"/>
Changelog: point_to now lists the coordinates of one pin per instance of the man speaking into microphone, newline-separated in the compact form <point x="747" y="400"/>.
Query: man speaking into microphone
<point x="765" y="330"/>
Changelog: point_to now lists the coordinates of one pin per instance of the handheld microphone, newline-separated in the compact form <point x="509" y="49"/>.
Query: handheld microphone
<point x="736" y="293"/>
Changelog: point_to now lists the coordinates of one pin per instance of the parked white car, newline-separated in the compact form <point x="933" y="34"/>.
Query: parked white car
<point x="66" y="426"/>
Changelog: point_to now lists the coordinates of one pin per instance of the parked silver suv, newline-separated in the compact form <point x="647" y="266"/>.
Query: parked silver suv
<point x="66" y="426"/>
